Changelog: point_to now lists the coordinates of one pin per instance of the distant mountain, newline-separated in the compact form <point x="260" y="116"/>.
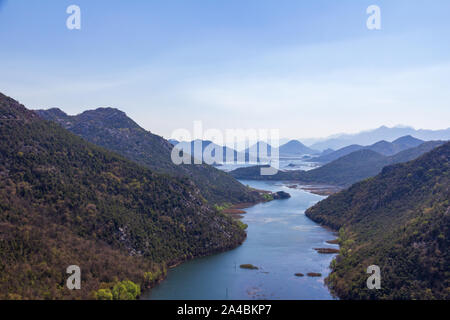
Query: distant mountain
<point x="398" y="221"/>
<point x="113" y="130"/>
<point x="65" y="201"/>
<point x="383" y="133"/>
<point x="413" y="153"/>
<point x="344" y="171"/>
<point x="382" y="147"/>
<point x="326" y="152"/>
<point x="260" y="152"/>
<point x="334" y="155"/>
<point x="363" y="164"/>
<point x="295" y="148"/>
<point x="407" y="142"/>
<point x="348" y="169"/>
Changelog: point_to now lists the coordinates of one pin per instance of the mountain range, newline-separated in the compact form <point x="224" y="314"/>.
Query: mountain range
<point x="295" y="148"/>
<point x="344" y="171"/>
<point x="383" y="147"/>
<point x="292" y="148"/>
<point x="115" y="131"/>
<point x="372" y="136"/>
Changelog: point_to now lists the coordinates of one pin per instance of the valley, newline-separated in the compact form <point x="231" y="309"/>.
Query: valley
<point x="99" y="191"/>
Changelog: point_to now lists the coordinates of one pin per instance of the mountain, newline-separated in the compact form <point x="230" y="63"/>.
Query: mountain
<point x="295" y="148"/>
<point x="413" y="153"/>
<point x="292" y="148"/>
<point x="112" y="129"/>
<point x="326" y="151"/>
<point x="383" y="133"/>
<point x="391" y="148"/>
<point x="383" y="147"/>
<point x="259" y="152"/>
<point x="343" y="171"/>
<point x="348" y="169"/>
<point x="65" y="201"/>
<point x="331" y="156"/>
<point x="406" y="142"/>
<point x="363" y="164"/>
<point x="399" y="221"/>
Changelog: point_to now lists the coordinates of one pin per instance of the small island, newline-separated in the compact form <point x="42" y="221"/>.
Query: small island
<point x="248" y="266"/>
<point x="299" y="274"/>
<point x="327" y="250"/>
<point x="281" y="195"/>
<point x="314" y="274"/>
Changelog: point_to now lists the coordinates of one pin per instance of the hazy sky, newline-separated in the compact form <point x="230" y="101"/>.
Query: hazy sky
<point x="309" y="68"/>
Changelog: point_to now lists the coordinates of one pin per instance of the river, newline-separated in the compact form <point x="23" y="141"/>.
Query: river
<point x="280" y="242"/>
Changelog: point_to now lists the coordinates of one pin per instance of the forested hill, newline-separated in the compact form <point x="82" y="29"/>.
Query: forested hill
<point x="113" y="130"/>
<point x="65" y="201"/>
<point x="398" y="220"/>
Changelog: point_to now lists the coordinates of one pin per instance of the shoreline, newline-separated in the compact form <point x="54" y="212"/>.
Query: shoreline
<point x="237" y="211"/>
<point x="318" y="189"/>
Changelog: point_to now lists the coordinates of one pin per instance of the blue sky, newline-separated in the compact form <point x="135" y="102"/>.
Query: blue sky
<point x="309" y="68"/>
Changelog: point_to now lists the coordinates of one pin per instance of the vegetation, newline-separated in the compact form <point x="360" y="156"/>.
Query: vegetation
<point x="327" y="250"/>
<point x="398" y="220"/>
<point x="64" y="201"/>
<point x="248" y="266"/>
<point x="112" y="129"/>
<point x="268" y="196"/>
<point x="242" y="225"/>
<point x="314" y="274"/>
<point x="121" y="290"/>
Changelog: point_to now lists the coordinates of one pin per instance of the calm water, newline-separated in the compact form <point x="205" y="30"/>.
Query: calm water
<point x="285" y="164"/>
<point x="280" y="242"/>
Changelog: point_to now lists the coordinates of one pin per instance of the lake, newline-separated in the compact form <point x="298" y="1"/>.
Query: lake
<point x="280" y="242"/>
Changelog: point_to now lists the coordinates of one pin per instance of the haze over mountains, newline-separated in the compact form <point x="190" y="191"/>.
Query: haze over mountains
<point x="390" y="141"/>
<point x="383" y="147"/>
<point x="295" y="148"/>
<point x="372" y="136"/>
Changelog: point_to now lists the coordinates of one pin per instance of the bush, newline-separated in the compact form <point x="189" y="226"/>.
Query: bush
<point x="126" y="290"/>
<point x="104" y="294"/>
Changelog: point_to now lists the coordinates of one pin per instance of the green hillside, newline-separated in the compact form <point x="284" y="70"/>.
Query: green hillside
<point x="65" y="201"/>
<point x="398" y="220"/>
<point x="112" y="129"/>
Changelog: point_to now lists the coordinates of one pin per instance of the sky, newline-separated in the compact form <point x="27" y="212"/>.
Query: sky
<point x="307" y="68"/>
